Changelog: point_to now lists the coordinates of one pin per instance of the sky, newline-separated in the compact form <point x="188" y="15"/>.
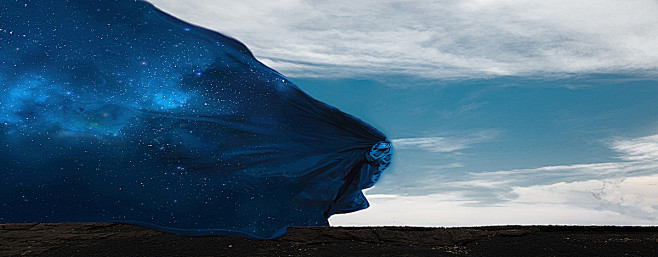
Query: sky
<point x="500" y="111"/>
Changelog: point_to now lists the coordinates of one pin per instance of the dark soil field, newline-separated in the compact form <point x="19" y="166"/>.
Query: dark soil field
<point x="111" y="239"/>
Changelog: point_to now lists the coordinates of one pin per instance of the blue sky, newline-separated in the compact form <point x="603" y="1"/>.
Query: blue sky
<point x="501" y="112"/>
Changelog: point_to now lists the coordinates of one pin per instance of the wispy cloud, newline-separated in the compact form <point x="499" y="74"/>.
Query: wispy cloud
<point x="432" y="144"/>
<point x="444" y="144"/>
<point x="638" y="149"/>
<point x="435" y="39"/>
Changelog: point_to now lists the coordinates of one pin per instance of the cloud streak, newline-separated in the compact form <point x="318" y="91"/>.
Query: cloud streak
<point x="432" y="144"/>
<point x="441" y="144"/>
<point x="639" y="149"/>
<point x="436" y="39"/>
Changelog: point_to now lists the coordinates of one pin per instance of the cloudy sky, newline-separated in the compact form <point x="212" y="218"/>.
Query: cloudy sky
<point x="500" y="111"/>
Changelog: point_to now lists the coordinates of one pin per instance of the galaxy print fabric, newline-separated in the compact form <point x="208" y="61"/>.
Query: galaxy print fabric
<point x="116" y="111"/>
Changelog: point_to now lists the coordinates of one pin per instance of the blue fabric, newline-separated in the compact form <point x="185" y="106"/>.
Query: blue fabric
<point x="116" y="111"/>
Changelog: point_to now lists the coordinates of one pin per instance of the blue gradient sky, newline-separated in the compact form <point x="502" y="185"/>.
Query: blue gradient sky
<point x="501" y="112"/>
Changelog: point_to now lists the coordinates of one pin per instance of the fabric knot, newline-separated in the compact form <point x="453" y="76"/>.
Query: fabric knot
<point x="380" y="155"/>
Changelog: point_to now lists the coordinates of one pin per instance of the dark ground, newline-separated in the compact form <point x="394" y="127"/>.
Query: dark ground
<point x="110" y="239"/>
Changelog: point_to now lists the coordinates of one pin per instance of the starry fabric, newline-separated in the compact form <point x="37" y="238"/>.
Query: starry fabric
<point x="111" y="110"/>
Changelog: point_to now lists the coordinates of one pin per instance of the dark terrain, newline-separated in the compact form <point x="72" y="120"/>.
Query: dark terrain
<point x="110" y="239"/>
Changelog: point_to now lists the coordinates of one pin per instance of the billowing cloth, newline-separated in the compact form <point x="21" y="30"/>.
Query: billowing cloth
<point x="111" y="110"/>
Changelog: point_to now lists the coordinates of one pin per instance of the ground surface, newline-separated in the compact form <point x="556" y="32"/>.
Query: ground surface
<point x="110" y="239"/>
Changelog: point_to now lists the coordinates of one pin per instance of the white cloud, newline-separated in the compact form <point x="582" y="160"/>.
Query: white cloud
<point x="633" y="196"/>
<point x="444" y="144"/>
<point x="638" y="149"/>
<point x="435" y="39"/>
<point x="630" y="201"/>
<point x="536" y="206"/>
<point x="432" y="144"/>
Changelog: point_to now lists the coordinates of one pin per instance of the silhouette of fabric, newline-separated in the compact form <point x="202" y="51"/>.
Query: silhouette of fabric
<point x="116" y="111"/>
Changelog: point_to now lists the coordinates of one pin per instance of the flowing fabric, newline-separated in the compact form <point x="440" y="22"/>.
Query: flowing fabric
<point x="111" y="110"/>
